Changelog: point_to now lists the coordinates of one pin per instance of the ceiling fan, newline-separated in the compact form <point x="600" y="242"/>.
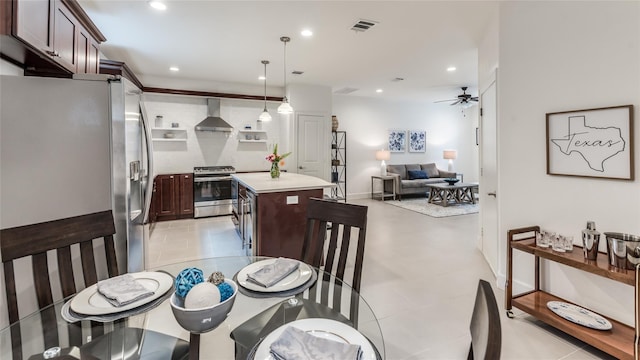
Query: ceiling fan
<point x="462" y="99"/>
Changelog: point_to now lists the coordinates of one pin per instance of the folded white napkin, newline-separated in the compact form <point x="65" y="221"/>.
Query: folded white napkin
<point x="269" y="275"/>
<point x="295" y="344"/>
<point x="122" y="290"/>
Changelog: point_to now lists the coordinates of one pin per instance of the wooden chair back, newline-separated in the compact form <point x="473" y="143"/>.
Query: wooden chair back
<point x="486" y="333"/>
<point x="58" y="235"/>
<point x="341" y="221"/>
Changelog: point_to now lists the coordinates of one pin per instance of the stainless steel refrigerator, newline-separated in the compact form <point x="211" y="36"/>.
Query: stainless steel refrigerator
<point x="76" y="146"/>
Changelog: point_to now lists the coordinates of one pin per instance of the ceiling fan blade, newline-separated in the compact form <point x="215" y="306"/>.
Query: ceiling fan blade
<point x="439" y="101"/>
<point x="475" y="98"/>
<point x="456" y="102"/>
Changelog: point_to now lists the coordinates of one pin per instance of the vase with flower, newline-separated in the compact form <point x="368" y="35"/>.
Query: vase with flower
<point x="276" y="161"/>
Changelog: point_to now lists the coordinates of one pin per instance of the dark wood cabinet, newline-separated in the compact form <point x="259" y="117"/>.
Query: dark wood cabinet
<point x="32" y="23"/>
<point x="185" y="200"/>
<point x="283" y="237"/>
<point x="167" y="195"/>
<point x="65" y="38"/>
<point x="49" y="37"/>
<point x="172" y="197"/>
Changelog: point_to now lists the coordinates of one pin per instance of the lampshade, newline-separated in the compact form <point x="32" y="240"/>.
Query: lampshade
<point x="449" y="154"/>
<point x="265" y="116"/>
<point x="383" y="155"/>
<point x="285" y="107"/>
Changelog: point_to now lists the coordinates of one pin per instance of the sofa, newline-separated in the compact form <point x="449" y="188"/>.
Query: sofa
<point x="415" y="178"/>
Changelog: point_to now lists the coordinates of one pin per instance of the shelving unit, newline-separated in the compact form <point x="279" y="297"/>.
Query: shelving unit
<point x="619" y="341"/>
<point x="339" y="165"/>
<point x="180" y="134"/>
<point x="262" y="136"/>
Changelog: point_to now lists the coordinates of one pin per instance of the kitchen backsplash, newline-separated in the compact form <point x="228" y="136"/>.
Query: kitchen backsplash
<point x="189" y="148"/>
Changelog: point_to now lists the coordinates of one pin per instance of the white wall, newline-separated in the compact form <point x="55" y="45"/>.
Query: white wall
<point x="7" y="68"/>
<point x="488" y="52"/>
<point x="210" y="148"/>
<point x="557" y="56"/>
<point x="367" y="121"/>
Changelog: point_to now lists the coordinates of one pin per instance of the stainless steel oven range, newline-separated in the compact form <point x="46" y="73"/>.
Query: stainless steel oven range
<point x="212" y="190"/>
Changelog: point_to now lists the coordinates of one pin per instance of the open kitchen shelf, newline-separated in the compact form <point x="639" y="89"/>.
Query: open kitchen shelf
<point x="180" y="134"/>
<point x="243" y="133"/>
<point x="619" y="341"/>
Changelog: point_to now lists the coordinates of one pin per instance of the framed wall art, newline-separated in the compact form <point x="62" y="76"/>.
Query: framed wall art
<point x="594" y="143"/>
<point x="397" y="141"/>
<point x="417" y="141"/>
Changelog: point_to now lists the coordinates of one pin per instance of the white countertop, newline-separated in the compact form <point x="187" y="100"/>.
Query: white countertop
<point x="262" y="182"/>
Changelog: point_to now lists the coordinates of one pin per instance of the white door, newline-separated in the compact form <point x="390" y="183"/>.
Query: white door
<point x="488" y="175"/>
<point x="312" y="145"/>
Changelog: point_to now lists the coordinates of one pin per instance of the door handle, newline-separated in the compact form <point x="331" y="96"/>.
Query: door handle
<point x="300" y="167"/>
<point x="491" y="194"/>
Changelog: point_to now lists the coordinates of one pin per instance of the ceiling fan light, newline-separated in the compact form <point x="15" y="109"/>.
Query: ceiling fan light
<point x="285" y="107"/>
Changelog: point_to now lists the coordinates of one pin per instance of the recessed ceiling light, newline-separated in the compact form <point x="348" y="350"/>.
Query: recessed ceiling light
<point x="306" y="33"/>
<point x="451" y="68"/>
<point x="379" y="90"/>
<point x="174" y="68"/>
<point x="262" y="77"/>
<point x="158" y="5"/>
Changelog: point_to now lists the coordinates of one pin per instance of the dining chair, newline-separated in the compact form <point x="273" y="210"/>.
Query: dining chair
<point x="333" y="242"/>
<point x="486" y="333"/>
<point x="60" y="236"/>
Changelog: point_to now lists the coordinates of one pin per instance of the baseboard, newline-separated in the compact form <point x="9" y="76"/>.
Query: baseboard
<point x="359" y="196"/>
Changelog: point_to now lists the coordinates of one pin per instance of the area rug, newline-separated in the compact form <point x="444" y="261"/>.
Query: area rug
<point x="423" y="207"/>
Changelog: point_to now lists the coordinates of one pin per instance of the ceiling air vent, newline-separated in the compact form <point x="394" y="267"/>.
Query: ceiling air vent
<point x="364" y="25"/>
<point x="346" y="90"/>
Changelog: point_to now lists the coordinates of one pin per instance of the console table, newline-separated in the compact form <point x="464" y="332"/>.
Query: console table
<point x="619" y="341"/>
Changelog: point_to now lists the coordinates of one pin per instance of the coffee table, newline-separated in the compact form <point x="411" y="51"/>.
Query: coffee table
<point x="443" y="194"/>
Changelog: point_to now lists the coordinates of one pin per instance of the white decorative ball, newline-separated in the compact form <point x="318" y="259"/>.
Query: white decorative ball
<point x="201" y="296"/>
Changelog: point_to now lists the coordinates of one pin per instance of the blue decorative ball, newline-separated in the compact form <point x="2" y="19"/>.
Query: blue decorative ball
<point x="187" y="279"/>
<point x="225" y="291"/>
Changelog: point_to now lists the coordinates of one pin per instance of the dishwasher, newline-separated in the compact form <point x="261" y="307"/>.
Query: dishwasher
<point x="248" y="224"/>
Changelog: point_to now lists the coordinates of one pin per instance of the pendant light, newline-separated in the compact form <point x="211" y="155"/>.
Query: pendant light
<point x="285" y="108"/>
<point x="265" y="116"/>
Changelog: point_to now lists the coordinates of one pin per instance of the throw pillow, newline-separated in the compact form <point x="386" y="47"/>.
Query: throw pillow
<point x="431" y="170"/>
<point x="416" y="174"/>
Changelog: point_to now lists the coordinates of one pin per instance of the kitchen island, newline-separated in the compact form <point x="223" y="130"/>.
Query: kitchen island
<point x="271" y="213"/>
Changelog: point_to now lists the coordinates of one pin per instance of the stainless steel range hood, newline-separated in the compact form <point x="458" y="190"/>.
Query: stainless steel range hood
<point x="213" y="121"/>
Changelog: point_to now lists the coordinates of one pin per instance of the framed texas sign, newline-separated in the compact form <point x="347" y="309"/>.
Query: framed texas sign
<point x="594" y="143"/>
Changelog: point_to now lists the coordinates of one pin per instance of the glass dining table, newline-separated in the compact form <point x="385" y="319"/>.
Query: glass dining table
<point x="241" y="335"/>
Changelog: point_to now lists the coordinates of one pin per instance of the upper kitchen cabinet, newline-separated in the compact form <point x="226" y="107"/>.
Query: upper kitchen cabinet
<point x="49" y="37"/>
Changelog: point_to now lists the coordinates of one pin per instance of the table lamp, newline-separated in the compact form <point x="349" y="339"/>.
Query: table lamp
<point x="383" y="155"/>
<point x="450" y="155"/>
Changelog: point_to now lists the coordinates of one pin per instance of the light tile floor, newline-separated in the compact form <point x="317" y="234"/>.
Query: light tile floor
<point x="419" y="276"/>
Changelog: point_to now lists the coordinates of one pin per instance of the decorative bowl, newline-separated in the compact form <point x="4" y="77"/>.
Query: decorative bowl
<point x="204" y="319"/>
<point x="169" y="135"/>
<point x="451" y="181"/>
